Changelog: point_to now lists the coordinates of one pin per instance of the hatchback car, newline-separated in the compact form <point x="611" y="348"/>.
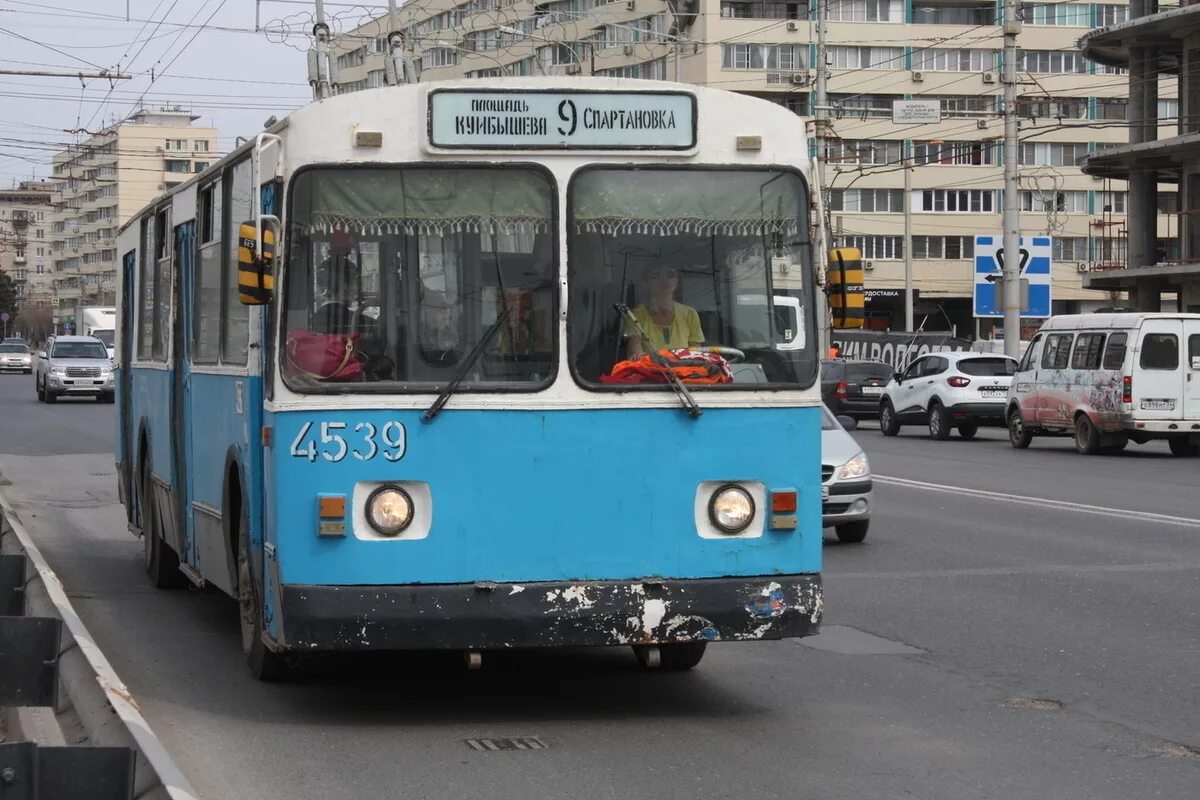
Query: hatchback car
<point x="949" y="390"/>
<point x="15" y="357"/>
<point x="74" y="365"/>
<point x="845" y="480"/>
<point x="853" y="388"/>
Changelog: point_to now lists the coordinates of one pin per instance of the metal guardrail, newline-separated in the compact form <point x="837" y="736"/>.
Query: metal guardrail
<point x="53" y="669"/>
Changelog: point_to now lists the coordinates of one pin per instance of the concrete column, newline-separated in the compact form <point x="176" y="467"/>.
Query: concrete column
<point x="1143" y="127"/>
<point x="1147" y="296"/>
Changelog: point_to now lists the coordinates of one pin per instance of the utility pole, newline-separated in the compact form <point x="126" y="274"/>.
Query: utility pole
<point x="908" y="257"/>
<point x="822" y="93"/>
<point x="1011" y="267"/>
<point x="318" y="57"/>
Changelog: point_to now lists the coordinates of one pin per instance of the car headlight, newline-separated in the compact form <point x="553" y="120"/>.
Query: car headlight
<point x="59" y="371"/>
<point x="26" y="360"/>
<point x="731" y="509"/>
<point x="856" y="467"/>
<point x="389" y="510"/>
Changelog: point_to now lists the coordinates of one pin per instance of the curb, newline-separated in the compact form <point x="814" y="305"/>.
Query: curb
<point x="90" y="688"/>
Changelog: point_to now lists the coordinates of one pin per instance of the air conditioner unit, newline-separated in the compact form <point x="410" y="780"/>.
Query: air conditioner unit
<point x="1082" y="266"/>
<point x="571" y="69"/>
<point x="793" y="25"/>
<point x="918" y="76"/>
<point x="868" y="265"/>
<point x="630" y="5"/>
<point x="628" y="49"/>
<point x="989" y="77"/>
<point x="799" y="78"/>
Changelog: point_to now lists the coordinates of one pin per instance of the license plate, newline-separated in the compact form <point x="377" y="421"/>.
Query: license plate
<point x="993" y="392"/>
<point x="1158" y="405"/>
<point x="872" y="390"/>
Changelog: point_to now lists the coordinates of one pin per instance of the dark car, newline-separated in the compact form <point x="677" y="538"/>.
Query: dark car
<point x="853" y="388"/>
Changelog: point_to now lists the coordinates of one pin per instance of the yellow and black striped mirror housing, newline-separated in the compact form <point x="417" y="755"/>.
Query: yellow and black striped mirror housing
<point x="256" y="275"/>
<point x="847" y="302"/>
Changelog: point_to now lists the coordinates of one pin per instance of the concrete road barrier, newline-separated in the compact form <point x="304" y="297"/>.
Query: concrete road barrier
<point x="94" y="705"/>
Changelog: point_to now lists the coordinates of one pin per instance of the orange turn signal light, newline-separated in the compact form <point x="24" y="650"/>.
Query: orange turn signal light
<point x="331" y="506"/>
<point x="783" y="501"/>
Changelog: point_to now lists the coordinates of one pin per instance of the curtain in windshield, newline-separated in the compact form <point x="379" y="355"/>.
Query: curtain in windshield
<point x="702" y="258"/>
<point x="395" y="274"/>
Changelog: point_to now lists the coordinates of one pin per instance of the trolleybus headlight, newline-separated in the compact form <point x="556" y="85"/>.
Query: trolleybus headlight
<point x="389" y="510"/>
<point x="731" y="509"/>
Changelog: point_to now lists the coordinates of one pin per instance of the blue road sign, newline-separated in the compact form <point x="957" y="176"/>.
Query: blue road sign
<point x="1035" y="260"/>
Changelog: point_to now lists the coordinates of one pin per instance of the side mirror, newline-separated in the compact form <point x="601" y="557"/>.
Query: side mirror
<point x="898" y="377"/>
<point x="256" y="270"/>
<point x="847" y="423"/>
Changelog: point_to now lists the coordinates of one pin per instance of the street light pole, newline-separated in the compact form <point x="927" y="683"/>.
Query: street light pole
<point x="1011" y="266"/>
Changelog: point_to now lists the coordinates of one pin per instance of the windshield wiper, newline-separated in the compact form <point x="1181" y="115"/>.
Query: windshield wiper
<point x="468" y="362"/>
<point x="689" y="402"/>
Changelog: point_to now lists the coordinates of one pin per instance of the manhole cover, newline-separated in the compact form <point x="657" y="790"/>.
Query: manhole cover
<point x="1033" y="704"/>
<point x="511" y="743"/>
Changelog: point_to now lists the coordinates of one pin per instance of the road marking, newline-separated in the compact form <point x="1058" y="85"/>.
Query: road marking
<point x="1041" y="502"/>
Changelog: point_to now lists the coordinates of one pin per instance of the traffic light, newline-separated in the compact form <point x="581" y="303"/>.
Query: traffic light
<point x="845" y="287"/>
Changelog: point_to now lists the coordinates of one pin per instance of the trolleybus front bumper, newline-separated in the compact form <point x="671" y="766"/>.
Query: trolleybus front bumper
<point x="489" y="615"/>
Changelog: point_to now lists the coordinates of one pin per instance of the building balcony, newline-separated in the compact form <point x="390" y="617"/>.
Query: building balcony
<point x="1162" y="34"/>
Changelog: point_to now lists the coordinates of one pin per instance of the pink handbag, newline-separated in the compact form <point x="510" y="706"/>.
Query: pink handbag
<point x="324" y="356"/>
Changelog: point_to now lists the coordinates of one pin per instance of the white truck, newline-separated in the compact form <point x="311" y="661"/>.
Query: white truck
<point x="97" y="321"/>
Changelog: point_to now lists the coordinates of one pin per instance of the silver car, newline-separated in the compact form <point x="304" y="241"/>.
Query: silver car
<point x="845" y="479"/>
<point x="75" y="366"/>
<point x="15" y="357"/>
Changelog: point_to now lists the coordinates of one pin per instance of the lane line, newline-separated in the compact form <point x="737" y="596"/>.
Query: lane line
<point x="1041" y="502"/>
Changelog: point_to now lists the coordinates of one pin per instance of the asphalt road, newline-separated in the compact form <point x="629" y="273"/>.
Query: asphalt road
<point x="975" y="647"/>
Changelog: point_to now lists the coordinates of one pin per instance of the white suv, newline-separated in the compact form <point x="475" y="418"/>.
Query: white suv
<point x="948" y="390"/>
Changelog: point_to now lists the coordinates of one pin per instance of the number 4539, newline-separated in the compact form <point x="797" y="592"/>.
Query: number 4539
<point x="335" y="441"/>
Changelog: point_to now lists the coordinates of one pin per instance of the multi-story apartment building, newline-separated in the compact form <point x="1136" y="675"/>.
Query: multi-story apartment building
<point x="107" y="178"/>
<point x="947" y="175"/>
<point x="25" y="240"/>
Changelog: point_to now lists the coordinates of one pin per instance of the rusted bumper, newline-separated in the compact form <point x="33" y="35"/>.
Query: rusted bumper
<point x="554" y="614"/>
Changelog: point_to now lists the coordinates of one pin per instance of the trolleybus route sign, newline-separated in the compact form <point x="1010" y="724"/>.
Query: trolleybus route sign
<point x="557" y="120"/>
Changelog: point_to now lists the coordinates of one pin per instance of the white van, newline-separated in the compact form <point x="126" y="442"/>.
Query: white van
<point x="1110" y="378"/>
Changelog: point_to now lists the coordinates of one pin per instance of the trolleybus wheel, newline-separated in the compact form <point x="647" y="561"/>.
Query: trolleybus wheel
<point x="264" y="664"/>
<point x="672" y="657"/>
<point x="162" y="564"/>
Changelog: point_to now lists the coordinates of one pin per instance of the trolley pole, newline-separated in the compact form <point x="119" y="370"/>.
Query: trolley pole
<point x="1011" y="268"/>
<point x="318" y="57"/>
<point x="399" y="70"/>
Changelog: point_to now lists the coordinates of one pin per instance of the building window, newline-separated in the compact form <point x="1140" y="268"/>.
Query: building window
<point x="1168" y="110"/>
<point x="1065" y="14"/>
<point x="650" y="70"/>
<point x="866" y="10"/>
<point x="734" y="9"/>
<point x="439" y="57"/>
<point x="764" y="56"/>
<point x="200" y="166"/>
<point x="1053" y="62"/>
<point x="883" y="248"/>
<point x="376" y="78"/>
<point x="955" y="15"/>
<point x="842" y="57"/>
<point x="1070" y="248"/>
<point x="200" y="145"/>
<point x="938" y="60"/>
<point x="943" y="247"/>
<point x="352" y="59"/>
<point x="1110" y="14"/>
<point x="1168" y="203"/>
<point x="1111" y="202"/>
<point x="877" y="200"/>
<point x="862" y="152"/>
<point x="1052" y="154"/>
<point x="1112" y="108"/>
<point x="1036" y="201"/>
<point x="961" y="154"/>
<point x="849" y="103"/>
<point x="955" y="105"/>
<point x="958" y="201"/>
<point x="177" y="145"/>
<point x="176" y="165"/>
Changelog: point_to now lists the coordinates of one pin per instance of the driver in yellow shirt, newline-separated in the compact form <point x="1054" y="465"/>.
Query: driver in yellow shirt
<point x="669" y="325"/>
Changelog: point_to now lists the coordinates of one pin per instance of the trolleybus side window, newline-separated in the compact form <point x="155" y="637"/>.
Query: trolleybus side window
<point x="145" y="334"/>
<point x="397" y="278"/>
<point x="699" y="256"/>
<point x="207" y="294"/>
<point x="162" y="283"/>
<point x="235" y="336"/>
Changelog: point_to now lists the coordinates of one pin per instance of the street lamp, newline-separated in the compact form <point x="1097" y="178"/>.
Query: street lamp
<point x="504" y="70"/>
<point x="511" y="31"/>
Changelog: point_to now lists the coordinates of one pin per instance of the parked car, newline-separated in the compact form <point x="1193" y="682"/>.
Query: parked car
<point x="853" y="388"/>
<point x="15" y="357"/>
<point x="948" y="390"/>
<point x="74" y="365"/>
<point x="1108" y="379"/>
<point x="845" y="480"/>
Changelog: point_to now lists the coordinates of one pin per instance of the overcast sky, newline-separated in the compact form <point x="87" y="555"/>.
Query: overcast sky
<point x="205" y="56"/>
